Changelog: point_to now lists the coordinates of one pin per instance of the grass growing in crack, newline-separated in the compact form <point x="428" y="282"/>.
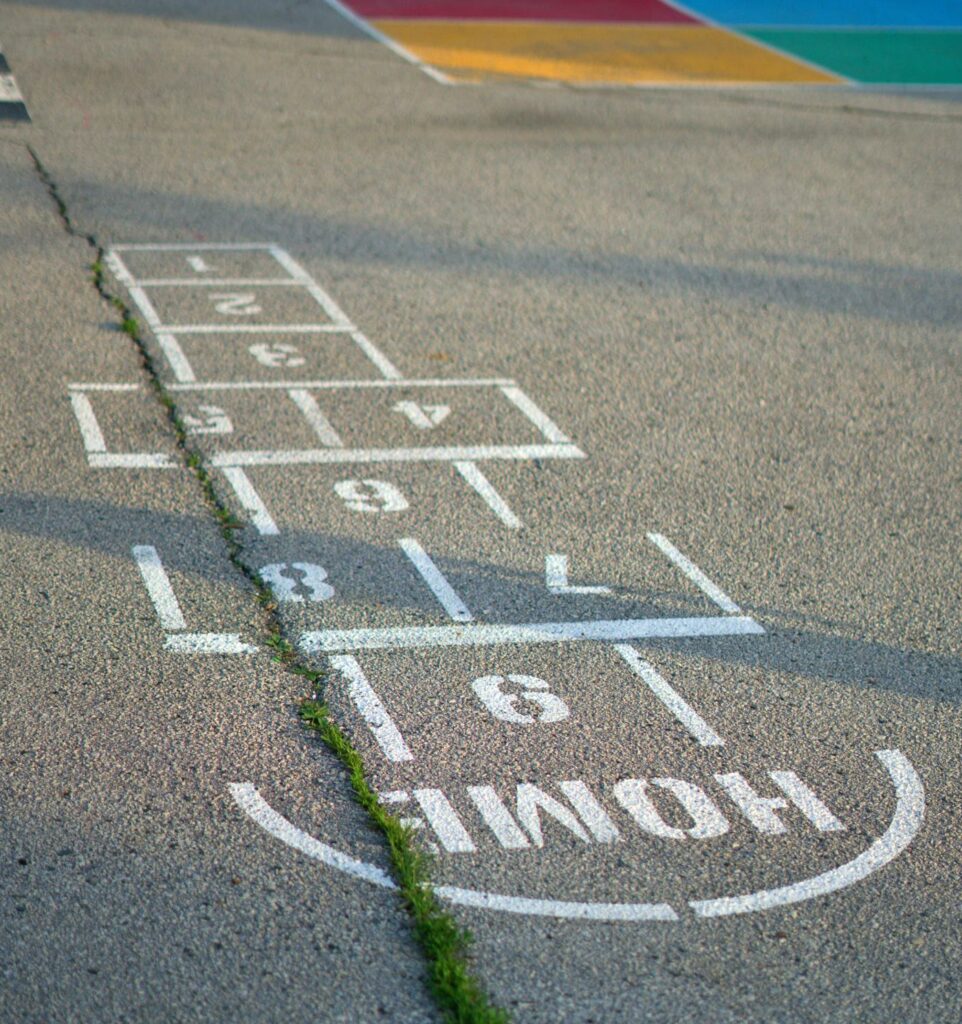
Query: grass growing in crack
<point x="443" y="943"/>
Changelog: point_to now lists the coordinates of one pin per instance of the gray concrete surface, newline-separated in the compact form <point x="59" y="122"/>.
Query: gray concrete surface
<point x="743" y="307"/>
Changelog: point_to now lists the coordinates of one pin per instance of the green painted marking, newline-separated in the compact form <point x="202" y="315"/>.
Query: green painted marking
<point x="903" y="56"/>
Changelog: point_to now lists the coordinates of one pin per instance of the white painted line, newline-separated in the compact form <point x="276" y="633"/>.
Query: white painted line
<point x="306" y="402"/>
<point x="433" y="577"/>
<point x="547" y="426"/>
<point x="214" y="282"/>
<point x="255" y="807"/>
<point x="556" y="578"/>
<point x="490" y="634"/>
<point x="313" y="456"/>
<point x="314" y="385"/>
<point x="192" y="247"/>
<point x="377" y="357"/>
<point x="119" y="268"/>
<point x="9" y="92"/>
<point x="305" y="328"/>
<point x="393" y="46"/>
<point x="251" y="501"/>
<point x="158" y="586"/>
<point x="176" y="359"/>
<point x="104" y="387"/>
<point x="90" y="431"/>
<point x="492" y="499"/>
<point x="906" y="822"/>
<point x="704" y="584"/>
<point x="132" y="460"/>
<point x="374" y="713"/>
<point x="146" y="308"/>
<point x="557" y="908"/>
<point x="697" y="727"/>
<point x="207" y="643"/>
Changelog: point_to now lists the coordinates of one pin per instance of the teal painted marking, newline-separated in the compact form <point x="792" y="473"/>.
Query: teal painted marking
<point x="893" y="56"/>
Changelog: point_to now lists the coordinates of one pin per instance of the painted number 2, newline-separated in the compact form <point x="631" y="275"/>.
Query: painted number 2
<point x="298" y="582"/>
<point x="370" y="496"/>
<point x="504" y="703"/>
<point x="236" y="304"/>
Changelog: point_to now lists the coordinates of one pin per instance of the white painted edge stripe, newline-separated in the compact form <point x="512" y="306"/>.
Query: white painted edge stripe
<point x="704" y="584"/>
<point x="318" y="422"/>
<point x="313" y="385"/>
<point x="146" y="308"/>
<point x="697" y="727"/>
<point x="207" y="643"/>
<point x="90" y="431"/>
<point x="491" y="634"/>
<point x="192" y="247"/>
<point x="328" y="455"/>
<point x="376" y="356"/>
<point x="257" y="808"/>
<point x="557" y="908"/>
<point x="323" y="456"/>
<point x="213" y="282"/>
<point x="492" y="499"/>
<point x="175" y="357"/>
<point x="374" y="713"/>
<point x="159" y="587"/>
<point x="547" y="426"/>
<point x="251" y="501"/>
<point x="906" y="822"/>
<point x="9" y="91"/>
<point x="301" y="328"/>
<point x="434" y="578"/>
<point x="394" y="47"/>
<point x="132" y="460"/>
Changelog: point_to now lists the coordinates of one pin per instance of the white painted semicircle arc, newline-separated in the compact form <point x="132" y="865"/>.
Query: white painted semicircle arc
<point x="905" y="824"/>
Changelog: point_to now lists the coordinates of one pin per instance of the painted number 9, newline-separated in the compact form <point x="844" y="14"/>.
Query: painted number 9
<point x="503" y="703"/>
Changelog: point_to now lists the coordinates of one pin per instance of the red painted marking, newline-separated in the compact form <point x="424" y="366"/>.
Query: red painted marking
<point x="631" y="11"/>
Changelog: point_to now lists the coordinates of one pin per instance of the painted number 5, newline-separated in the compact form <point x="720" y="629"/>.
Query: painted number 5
<point x="503" y="703"/>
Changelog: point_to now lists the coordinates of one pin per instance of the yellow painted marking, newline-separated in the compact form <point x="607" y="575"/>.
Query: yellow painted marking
<point x="622" y="54"/>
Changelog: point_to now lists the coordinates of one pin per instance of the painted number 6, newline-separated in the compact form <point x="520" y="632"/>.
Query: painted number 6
<point x="503" y="704"/>
<point x="370" y="496"/>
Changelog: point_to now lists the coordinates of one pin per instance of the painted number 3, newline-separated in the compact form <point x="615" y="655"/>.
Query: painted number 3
<point x="504" y="703"/>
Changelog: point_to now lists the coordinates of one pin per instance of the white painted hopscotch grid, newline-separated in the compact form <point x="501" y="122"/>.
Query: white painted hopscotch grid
<point x="237" y="286"/>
